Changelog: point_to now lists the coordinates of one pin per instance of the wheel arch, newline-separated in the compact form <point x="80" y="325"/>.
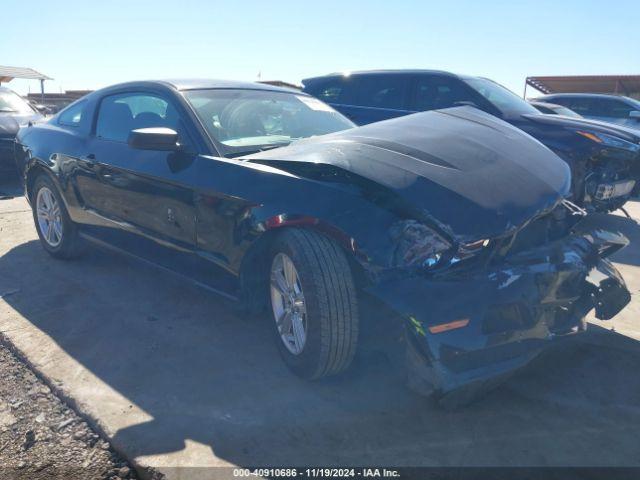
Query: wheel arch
<point x="31" y="173"/>
<point x="254" y="267"/>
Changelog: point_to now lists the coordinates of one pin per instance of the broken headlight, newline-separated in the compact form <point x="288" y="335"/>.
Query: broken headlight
<point x="417" y="245"/>
<point x="610" y="141"/>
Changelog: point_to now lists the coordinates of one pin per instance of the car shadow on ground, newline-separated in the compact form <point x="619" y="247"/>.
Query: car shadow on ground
<point x="629" y="227"/>
<point x="9" y="185"/>
<point x="206" y="374"/>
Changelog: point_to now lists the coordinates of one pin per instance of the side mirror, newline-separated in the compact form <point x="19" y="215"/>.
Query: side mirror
<point x="156" y="138"/>
<point x="635" y="114"/>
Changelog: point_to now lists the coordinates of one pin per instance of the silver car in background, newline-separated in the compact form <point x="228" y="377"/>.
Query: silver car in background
<point x="605" y="108"/>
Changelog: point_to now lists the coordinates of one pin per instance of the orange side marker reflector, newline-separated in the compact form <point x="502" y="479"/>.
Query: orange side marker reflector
<point x="443" y="327"/>
<point x="590" y="136"/>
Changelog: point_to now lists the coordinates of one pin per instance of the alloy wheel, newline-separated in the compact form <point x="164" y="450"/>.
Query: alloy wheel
<point x="49" y="217"/>
<point x="287" y="301"/>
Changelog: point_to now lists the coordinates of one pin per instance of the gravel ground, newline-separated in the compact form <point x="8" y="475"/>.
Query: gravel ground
<point x="42" y="438"/>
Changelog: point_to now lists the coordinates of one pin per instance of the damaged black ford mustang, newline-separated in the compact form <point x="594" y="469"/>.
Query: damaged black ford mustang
<point x="453" y="220"/>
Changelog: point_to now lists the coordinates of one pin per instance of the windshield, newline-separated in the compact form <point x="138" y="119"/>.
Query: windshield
<point x="634" y="103"/>
<point x="11" y="102"/>
<point x="503" y="99"/>
<point x="247" y="121"/>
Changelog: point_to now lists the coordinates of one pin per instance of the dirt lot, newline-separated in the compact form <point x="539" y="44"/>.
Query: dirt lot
<point x="42" y="438"/>
<point x="177" y="379"/>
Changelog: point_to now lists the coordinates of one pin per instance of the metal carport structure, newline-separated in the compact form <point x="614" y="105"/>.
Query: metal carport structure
<point x="628" y="85"/>
<point x="9" y="73"/>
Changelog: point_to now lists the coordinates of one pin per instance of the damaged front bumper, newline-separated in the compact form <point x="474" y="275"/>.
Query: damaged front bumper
<point x="472" y="329"/>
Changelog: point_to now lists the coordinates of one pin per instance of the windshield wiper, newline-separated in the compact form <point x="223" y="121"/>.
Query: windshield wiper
<point x="8" y="110"/>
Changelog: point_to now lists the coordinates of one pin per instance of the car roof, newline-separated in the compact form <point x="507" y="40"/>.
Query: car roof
<point x="414" y="71"/>
<point x="203" y="84"/>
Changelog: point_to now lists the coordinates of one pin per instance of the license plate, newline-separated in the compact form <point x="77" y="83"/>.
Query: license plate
<point x="606" y="191"/>
<point x="623" y="188"/>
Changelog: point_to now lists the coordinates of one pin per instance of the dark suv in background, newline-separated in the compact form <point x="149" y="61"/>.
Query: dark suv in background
<point x="604" y="158"/>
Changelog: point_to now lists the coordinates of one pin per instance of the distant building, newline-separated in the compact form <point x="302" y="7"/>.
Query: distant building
<point x="57" y="100"/>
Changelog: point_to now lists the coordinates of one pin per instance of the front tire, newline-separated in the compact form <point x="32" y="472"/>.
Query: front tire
<point x="58" y="234"/>
<point x="314" y="305"/>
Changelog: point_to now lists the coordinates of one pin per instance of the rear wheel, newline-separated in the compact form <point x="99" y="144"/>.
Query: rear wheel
<point x="58" y="234"/>
<point x="313" y="300"/>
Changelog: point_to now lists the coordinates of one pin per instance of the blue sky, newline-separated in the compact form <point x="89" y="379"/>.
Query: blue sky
<point x="89" y="44"/>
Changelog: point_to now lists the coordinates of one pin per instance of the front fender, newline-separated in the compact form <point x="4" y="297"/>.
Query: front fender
<point x="238" y="202"/>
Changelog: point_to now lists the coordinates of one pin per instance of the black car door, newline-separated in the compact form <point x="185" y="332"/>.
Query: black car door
<point x="145" y="192"/>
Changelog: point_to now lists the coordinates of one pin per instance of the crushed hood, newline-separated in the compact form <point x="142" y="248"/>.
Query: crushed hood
<point x="472" y="173"/>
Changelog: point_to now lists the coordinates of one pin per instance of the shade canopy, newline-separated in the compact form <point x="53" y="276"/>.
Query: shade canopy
<point x="9" y="73"/>
<point x="618" y="84"/>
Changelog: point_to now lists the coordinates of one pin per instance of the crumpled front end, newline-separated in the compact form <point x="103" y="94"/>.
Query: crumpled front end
<point x="475" y="322"/>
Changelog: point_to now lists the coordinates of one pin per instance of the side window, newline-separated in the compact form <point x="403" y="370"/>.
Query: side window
<point x="72" y="115"/>
<point x="121" y="113"/>
<point x="382" y="91"/>
<point x="577" y="104"/>
<point x="557" y="100"/>
<point x="604" y="107"/>
<point x="437" y="92"/>
<point x="331" y="91"/>
<point x="544" y="109"/>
